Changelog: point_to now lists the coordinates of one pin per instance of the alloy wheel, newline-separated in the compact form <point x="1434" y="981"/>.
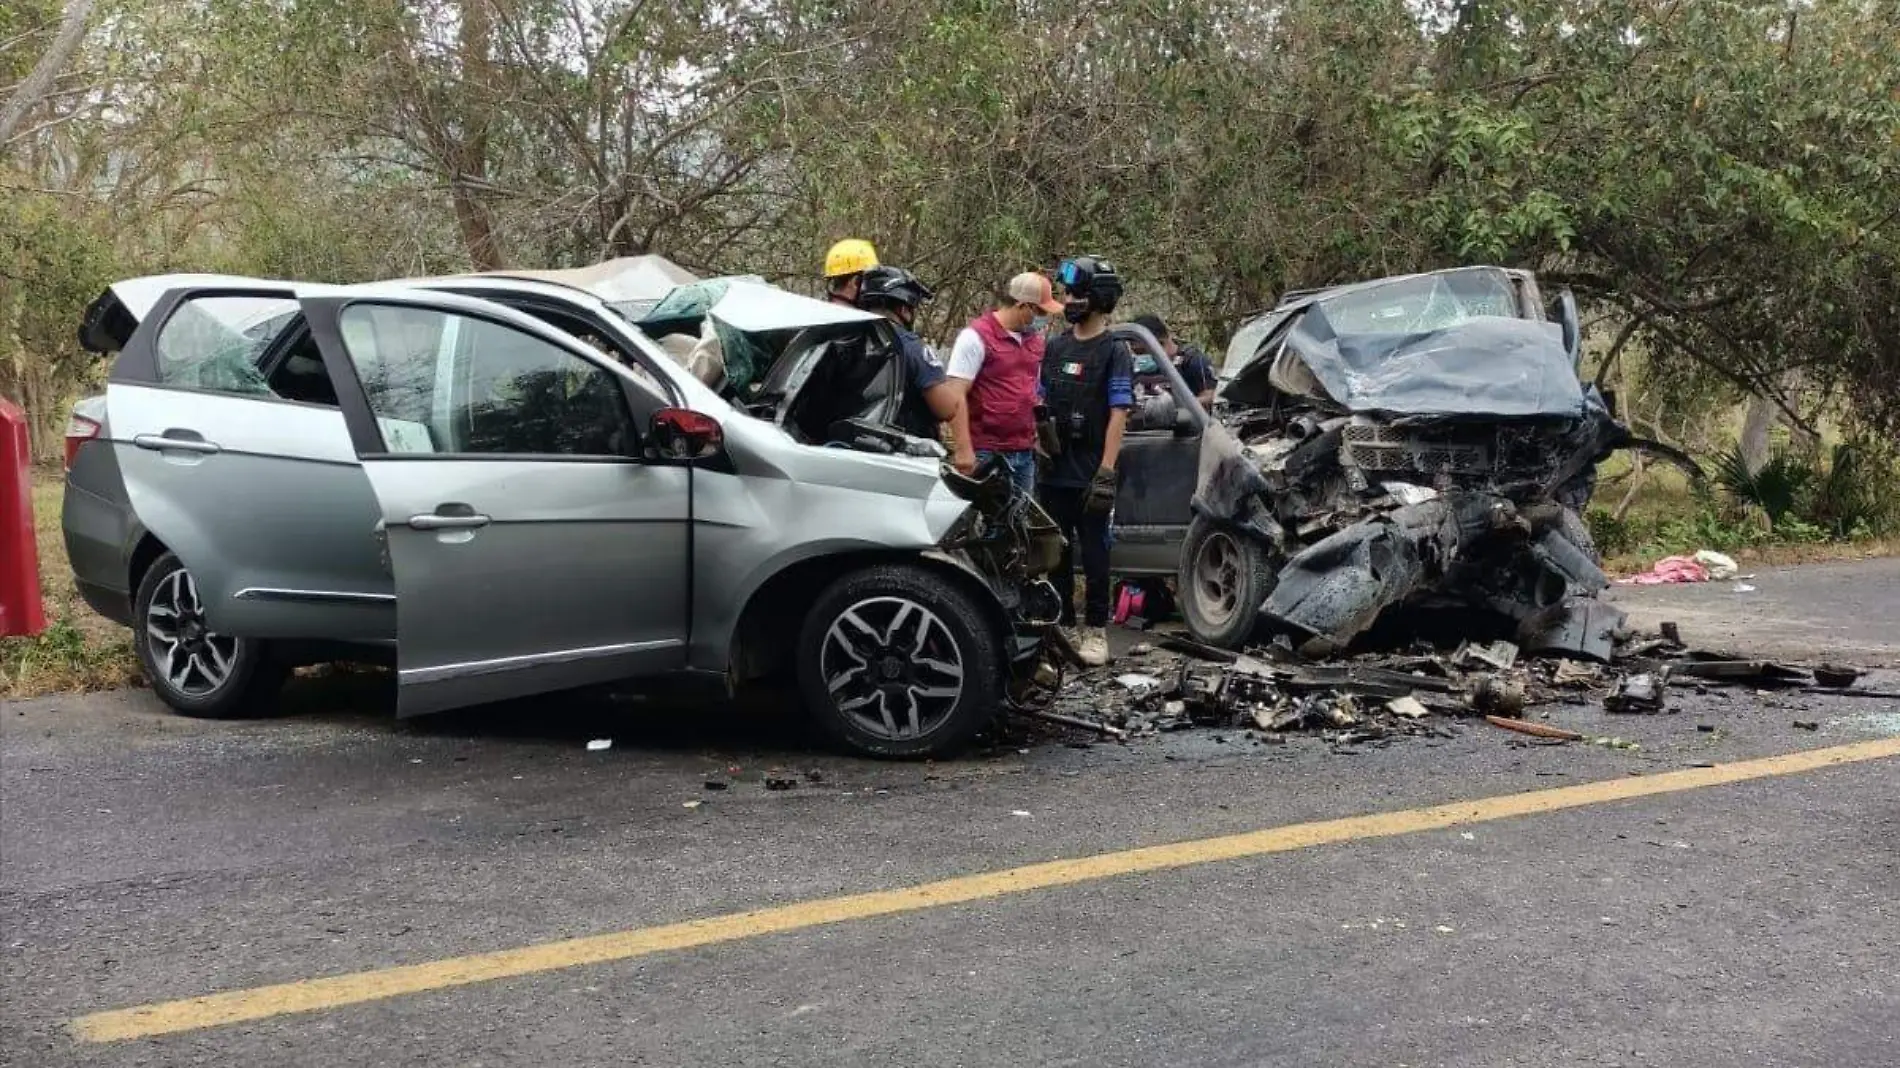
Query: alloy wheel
<point x="893" y="666"/>
<point x="194" y="661"/>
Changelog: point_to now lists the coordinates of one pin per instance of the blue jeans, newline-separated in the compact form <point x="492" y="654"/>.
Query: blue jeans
<point x="1021" y="464"/>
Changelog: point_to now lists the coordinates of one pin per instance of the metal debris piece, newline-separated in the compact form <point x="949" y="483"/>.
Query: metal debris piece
<point x="1407" y="707"/>
<point x="1806" y="725"/>
<point x="1499" y="654"/>
<point x="1671" y="632"/>
<point x="1498" y="695"/>
<point x="1765" y="673"/>
<point x="1535" y="730"/>
<point x="1116" y="733"/>
<point x="1571" y="673"/>
<point x="1638" y="694"/>
<point x="1837" y="678"/>
<point x="1582" y="627"/>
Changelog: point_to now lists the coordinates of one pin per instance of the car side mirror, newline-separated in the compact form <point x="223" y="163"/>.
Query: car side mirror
<point x="684" y="434"/>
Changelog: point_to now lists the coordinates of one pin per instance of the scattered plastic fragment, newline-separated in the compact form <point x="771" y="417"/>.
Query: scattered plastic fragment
<point x="1407" y="707"/>
<point x="600" y="745"/>
<point x="691" y="804"/>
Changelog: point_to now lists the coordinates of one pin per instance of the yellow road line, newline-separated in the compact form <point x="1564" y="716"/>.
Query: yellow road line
<point x="313" y="995"/>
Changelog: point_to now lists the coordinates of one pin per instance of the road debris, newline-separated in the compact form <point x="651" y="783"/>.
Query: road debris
<point x="1407" y="708"/>
<point x="1535" y="730"/>
<point x="1139" y="684"/>
<point x="1106" y="729"/>
<point x="1837" y="678"/>
<point x="600" y="745"/>
<point x="1637" y="694"/>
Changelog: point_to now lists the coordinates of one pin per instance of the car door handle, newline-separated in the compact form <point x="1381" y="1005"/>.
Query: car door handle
<point x="437" y="521"/>
<point x="176" y="441"/>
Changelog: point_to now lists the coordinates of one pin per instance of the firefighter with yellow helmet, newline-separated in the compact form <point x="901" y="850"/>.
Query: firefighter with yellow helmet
<point x="845" y="265"/>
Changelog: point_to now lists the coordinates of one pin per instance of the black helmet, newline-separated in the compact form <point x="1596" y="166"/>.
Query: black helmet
<point x="884" y="286"/>
<point x="1091" y="280"/>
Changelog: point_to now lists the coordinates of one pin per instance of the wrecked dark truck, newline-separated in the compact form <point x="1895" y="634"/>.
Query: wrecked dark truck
<point x="1405" y="444"/>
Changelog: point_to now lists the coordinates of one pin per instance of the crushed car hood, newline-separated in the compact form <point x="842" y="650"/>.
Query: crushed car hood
<point x="1490" y="366"/>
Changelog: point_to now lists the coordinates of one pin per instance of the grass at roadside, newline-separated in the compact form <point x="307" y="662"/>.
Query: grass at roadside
<point x="79" y="651"/>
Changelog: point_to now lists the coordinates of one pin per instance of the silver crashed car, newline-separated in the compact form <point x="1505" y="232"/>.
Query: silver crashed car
<point x="505" y="486"/>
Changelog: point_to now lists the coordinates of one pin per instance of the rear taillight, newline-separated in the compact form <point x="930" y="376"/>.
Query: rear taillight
<point x="79" y="430"/>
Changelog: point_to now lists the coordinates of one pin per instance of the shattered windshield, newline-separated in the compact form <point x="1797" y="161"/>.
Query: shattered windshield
<point x="1423" y="303"/>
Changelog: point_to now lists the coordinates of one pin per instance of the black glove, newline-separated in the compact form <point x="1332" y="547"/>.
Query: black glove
<point x="1100" y="499"/>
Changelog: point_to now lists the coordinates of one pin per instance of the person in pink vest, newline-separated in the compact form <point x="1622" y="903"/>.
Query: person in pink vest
<point x="997" y="360"/>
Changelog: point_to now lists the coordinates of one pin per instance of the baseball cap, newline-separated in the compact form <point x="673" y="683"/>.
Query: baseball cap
<point x="1032" y="287"/>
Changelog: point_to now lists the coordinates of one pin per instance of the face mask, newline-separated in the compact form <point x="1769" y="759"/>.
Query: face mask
<point x="1038" y="323"/>
<point x="1075" y="311"/>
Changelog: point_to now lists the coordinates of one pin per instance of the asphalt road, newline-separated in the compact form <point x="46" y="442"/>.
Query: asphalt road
<point x="1848" y="611"/>
<point x="146" y="858"/>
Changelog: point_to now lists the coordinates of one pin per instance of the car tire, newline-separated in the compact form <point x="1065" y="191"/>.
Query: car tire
<point x="182" y="659"/>
<point x="897" y="662"/>
<point x="1225" y="576"/>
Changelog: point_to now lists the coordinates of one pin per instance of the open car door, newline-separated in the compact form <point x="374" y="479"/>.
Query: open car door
<point x="534" y="546"/>
<point x="1158" y="467"/>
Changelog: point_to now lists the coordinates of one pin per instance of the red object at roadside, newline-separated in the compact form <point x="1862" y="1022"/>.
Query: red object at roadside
<point x="20" y="609"/>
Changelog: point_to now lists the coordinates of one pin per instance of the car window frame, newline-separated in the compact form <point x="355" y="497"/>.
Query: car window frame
<point x="608" y="327"/>
<point x="137" y="363"/>
<point x="366" y="432"/>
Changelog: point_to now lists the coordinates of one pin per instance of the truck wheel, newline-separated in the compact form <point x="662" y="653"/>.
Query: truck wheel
<point x="195" y="671"/>
<point x="894" y="661"/>
<point x="1225" y="576"/>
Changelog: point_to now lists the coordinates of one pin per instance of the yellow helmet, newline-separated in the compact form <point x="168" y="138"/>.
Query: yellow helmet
<point x="853" y="255"/>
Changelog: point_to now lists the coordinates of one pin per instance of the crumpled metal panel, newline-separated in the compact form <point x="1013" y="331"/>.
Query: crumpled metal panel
<point x="1337" y="587"/>
<point x="1489" y="365"/>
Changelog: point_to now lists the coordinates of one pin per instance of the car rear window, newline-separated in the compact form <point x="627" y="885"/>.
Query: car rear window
<point x="213" y="343"/>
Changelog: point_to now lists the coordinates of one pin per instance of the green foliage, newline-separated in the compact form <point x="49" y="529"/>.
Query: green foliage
<point x="1781" y="483"/>
<point x="1859" y="496"/>
<point x="1792" y="500"/>
<point x="1723" y="175"/>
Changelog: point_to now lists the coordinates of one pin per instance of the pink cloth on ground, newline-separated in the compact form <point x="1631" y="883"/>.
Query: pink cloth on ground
<point x="1668" y="570"/>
